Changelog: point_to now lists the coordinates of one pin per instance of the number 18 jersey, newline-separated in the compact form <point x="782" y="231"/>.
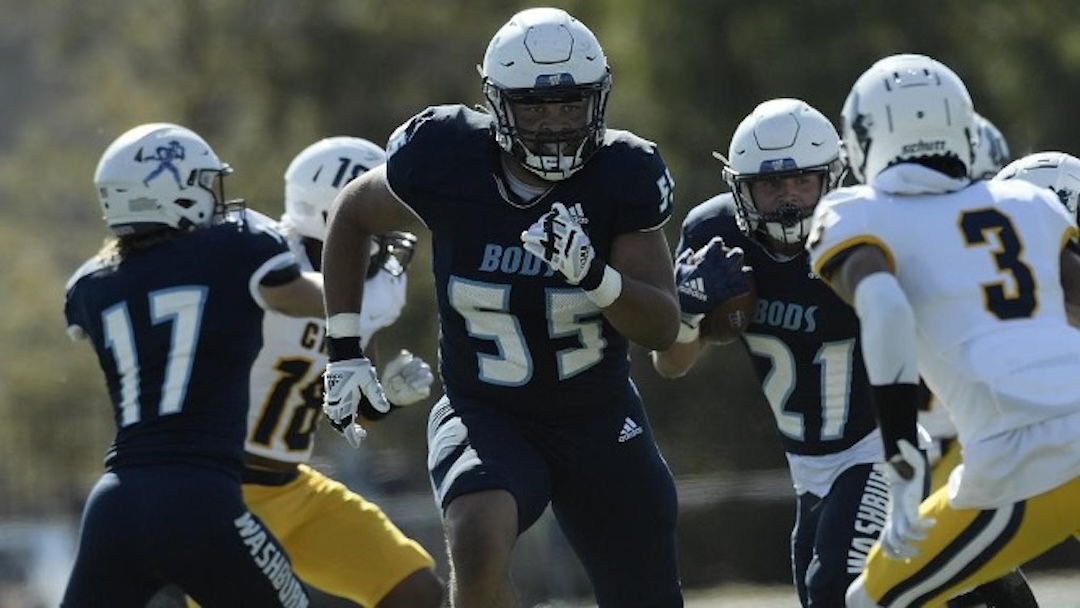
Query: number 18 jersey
<point x="286" y="378"/>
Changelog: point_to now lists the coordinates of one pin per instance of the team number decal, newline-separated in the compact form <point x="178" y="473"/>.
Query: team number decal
<point x="295" y="400"/>
<point x="182" y="308"/>
<point x="485" y="308"/>
<point x="1013" y="298"/>
<point x="836" y="362"/>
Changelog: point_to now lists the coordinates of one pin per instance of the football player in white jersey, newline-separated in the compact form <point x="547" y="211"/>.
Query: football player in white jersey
<point x="1011" y="590"/>
<point x="991" y="156"/>
<point x="965" y="283"/>
<point x="339" y="542"/>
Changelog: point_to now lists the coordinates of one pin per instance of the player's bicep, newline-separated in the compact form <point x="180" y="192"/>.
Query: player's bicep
<point x="369" y="205"/>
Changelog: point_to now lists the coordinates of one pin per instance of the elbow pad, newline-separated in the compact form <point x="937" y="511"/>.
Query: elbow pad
<point x="887" y="325"/>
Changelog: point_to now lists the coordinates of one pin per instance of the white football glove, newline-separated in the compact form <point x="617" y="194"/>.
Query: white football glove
<point x="903" y="527"/>
<point x="407" y="379"/>
<point x="559" y="239"/>
<point x="351" y="387"/>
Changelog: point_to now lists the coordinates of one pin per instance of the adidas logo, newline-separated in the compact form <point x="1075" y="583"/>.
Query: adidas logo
<point x="630" y="429"/>
<point x="694" y="288"/>
<point x="577" y="214"/>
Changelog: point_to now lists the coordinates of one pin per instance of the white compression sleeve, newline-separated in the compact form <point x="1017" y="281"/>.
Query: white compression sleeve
<point x="888" y="330"/>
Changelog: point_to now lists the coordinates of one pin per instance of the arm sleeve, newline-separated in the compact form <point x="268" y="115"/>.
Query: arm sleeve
<point x="887" y="324"/>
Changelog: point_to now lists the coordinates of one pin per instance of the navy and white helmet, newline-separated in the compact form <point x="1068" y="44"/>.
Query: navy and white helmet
<point x="908" y="108"/>
<point x="781" y="138"/>
<point x="314" y="178"/>
<point x="992" y="151"/>
<point x="157" y="175"/>
<point x="1058" y="171"/>
<point x="543" y="55"/>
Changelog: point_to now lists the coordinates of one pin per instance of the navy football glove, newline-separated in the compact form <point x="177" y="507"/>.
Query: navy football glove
<point x="710" y="276"/>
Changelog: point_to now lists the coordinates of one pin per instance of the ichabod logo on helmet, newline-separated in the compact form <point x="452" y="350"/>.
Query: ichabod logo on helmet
<point x="554" y="80"/>
<point x="924" y="147"/>
<point x="164" y="157"/>
<point x="778" y="164"/>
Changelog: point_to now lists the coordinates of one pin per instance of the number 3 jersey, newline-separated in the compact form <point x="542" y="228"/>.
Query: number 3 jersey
<point x="176" y="328"/>
<point x="286" y="378"/>
<point x="507" y="321"/>
<point x="981" y="268"/>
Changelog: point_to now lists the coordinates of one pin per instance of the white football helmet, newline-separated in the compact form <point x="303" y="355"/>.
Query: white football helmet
<point x="543" y="55"/>
<point x="992" y="151"/>
<point x="160" y="174"/>
<point x="314" y="178"/>
<point x="781" y="138"/>
<point x="1058" y="171"/>
<point x="908" y="108"/>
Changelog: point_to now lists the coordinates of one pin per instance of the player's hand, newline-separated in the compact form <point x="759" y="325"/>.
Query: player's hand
<point x="407" y="379"/>
<point x="709" y="276"/>
<point x="559" y="239"/>
<point x="352" y="388"/>
<point x="903" y="527"/>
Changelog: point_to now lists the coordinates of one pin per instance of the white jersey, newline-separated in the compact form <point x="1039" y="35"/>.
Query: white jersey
<point x="286" y="378"/>
<point x="981" y="269"/>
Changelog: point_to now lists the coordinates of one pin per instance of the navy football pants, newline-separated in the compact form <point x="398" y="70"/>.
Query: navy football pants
<point x="144" y="527"/>
<point x="833" y="534"/>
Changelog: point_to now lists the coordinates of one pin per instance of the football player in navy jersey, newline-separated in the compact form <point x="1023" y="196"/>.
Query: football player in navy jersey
<point x="548" y="259"/>
<point x="802" y="340"/>
<point x="173" y="307"/>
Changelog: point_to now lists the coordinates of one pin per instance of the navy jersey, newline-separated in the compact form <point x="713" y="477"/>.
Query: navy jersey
<point x="176" y="328"/>
<point x="803" y="341"/>
<point x="508" y="322"/>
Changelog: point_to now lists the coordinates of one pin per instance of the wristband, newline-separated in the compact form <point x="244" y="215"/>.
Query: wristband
<point x="897" y="413"/>
<point x="608" y="290"/>
<point x="343" y="325"/>
<point x="341" y="349"/>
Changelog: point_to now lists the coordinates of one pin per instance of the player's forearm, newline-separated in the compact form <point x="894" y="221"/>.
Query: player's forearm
<point x="645" y="314"/>
<point x="346" y="255"/>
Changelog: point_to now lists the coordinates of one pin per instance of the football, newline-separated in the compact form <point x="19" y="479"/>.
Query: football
<point x="729" y="320"/>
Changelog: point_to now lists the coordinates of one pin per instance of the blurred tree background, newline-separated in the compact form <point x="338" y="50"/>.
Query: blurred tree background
<point x="262" y="79"/>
